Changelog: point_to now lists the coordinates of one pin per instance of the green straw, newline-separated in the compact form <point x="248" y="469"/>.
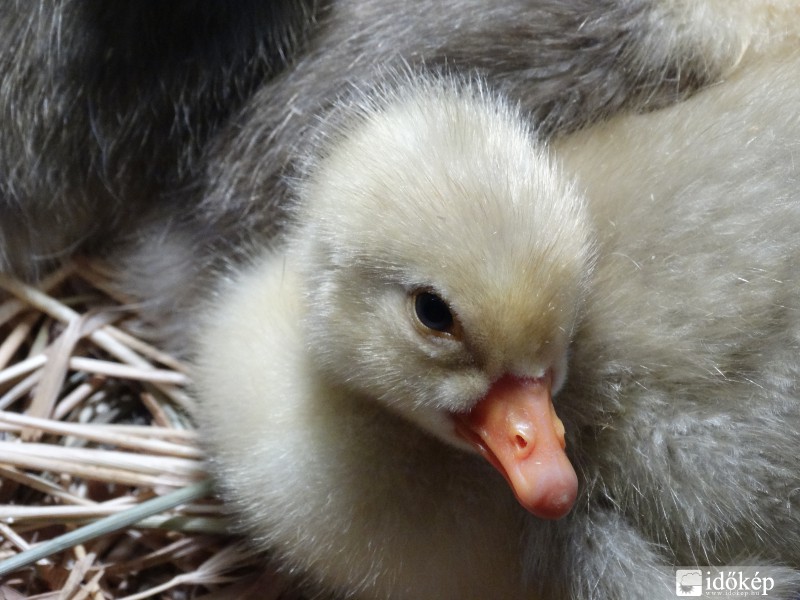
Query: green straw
<point x="106" y="525"/>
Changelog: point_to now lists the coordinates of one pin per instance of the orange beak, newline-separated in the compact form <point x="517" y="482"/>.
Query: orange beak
<point x="515" y="428"/>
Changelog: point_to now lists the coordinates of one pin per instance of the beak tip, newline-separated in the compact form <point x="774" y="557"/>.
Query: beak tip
<point x="554" y="505"/>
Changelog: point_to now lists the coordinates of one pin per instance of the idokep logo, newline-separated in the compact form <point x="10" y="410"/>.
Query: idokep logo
<point x="711" y="582"/>
<point x="689" y="582"/>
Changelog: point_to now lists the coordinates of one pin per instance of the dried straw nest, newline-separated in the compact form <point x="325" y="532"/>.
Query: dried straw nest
<point x="93" y="422"/>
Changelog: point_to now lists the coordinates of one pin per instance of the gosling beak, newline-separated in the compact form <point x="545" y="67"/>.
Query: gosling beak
<point x="515" y="427"/>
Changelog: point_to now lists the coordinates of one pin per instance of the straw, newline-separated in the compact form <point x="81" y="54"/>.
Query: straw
<point x="103" y="488"/>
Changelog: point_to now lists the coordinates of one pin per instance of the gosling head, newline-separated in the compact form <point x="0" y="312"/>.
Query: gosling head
<point x="445" y="261"/>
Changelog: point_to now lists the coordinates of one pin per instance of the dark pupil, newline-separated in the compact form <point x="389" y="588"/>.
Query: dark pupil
<point x="433" y="312"/>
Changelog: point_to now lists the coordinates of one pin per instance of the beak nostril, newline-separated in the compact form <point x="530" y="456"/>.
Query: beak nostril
<point x="521" y="442"/>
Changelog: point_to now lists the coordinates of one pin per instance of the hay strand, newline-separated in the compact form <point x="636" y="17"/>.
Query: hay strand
<point x="106" y="525"/>
<point x="103" y="490"/>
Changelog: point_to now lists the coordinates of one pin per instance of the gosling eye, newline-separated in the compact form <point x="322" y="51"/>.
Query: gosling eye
<point x="433" y="312"/>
